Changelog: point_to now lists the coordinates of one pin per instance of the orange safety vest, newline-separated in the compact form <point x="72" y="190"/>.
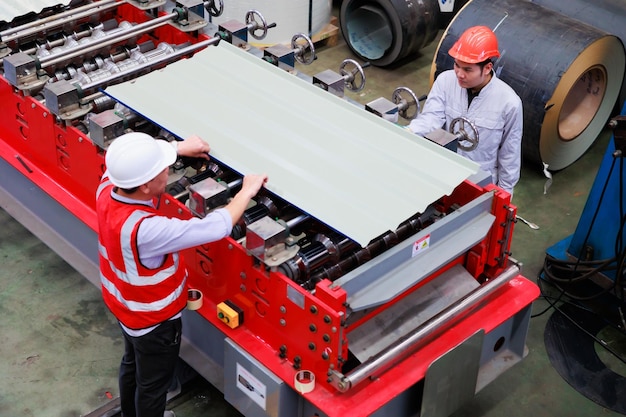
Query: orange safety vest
<point x="138" y="297"/>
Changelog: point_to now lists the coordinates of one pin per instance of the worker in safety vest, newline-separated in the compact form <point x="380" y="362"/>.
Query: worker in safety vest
<point x="142" y="273"/>
<point x="473" y="91"/>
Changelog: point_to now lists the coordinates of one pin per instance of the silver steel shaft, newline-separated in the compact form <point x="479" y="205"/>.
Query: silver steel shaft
<point x="97" y="45"/>
<point x="57" y="20"/>
<point x="170" y="57"/>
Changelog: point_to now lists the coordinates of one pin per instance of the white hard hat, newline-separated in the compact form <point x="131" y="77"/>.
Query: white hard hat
<point x="135" y="158"/>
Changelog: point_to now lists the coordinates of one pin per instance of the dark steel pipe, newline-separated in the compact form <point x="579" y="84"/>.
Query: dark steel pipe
<point x="383" y="32"/>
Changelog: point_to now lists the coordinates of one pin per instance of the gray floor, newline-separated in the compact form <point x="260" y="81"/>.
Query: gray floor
<point x="61" y="347"/>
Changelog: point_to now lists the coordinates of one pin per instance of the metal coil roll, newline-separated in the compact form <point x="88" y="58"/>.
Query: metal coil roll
<point x="607" y="15"/>
<point x="567" y="73"/>
<point x="383" y="32"/>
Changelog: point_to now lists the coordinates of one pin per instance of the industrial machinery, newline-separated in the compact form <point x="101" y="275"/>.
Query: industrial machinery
<point x="588" y="266"/>
<point x="341" y="291"/>
<point x="583" y="281"/>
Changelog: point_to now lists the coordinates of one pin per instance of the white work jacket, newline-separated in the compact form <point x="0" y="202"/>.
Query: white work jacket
<point x="497" y="114"/>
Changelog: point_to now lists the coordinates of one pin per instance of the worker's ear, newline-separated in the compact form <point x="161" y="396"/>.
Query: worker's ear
<point x="487" y="68"/>
<point x="145" y="189"/>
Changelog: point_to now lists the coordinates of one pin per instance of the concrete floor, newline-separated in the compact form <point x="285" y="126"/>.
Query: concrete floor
<point x="61" y="347"/>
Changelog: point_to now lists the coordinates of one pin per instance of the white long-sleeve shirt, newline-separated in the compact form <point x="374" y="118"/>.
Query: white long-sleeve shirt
<point x="497" y="114"/>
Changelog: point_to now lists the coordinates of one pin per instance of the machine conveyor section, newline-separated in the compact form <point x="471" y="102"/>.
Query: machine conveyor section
<point x="405" y="265"/>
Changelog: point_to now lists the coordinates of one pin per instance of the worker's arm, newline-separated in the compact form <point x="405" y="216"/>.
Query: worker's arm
<point x="251" y="186"/>
<point x="160" y="235"/>
<point x="433" y="115"/>
<point x="510" y="151"/>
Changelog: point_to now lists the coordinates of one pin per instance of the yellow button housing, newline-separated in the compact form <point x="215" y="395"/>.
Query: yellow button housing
<point x="229" y="314"/>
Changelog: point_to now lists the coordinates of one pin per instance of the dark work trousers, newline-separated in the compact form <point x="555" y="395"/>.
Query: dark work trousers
<point x="147" y="369"/>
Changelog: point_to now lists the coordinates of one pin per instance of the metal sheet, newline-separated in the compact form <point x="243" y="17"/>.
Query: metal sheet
<point x="348" y="168"/>
<point x="9" y="10"/>
<point x="451" y="380"/>
<point x="400" y="319"/>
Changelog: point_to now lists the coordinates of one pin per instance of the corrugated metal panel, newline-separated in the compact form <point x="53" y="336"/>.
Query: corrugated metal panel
<point x="9" y="10"/>
<point x="354" y="171"/>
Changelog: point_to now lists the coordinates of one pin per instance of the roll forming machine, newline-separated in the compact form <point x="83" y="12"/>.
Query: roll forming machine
<point x="297" y="317"/>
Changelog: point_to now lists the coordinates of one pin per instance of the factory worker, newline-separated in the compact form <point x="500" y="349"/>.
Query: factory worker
<point x="472" y="90"/>
<point x="142" y="272"/>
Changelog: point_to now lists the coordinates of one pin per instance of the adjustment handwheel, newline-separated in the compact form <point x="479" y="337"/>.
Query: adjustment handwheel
<point x="305" y="52"/>
<point x="213" y="9"/>
<point x="405" y="104"/>
<point x="349" y="75"/>
<point x="253" y="25"/>
<point x="462" y="135"/>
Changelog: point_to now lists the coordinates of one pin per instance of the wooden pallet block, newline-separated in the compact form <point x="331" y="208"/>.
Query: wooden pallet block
<point x="328" y="35"/>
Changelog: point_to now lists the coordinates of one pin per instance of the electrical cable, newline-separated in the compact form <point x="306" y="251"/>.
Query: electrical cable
<point x="580" y="327"/>
<point x="556" y="283"/>
<point x="545" y="297"/>
<point x="562" y="292"/>
<point x="564" y="266"/>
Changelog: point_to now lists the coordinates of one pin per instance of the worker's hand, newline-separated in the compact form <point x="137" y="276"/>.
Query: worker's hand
<point x="194" y="146"/>
<point x="252" y="184"/>
<point x="250" y="187"/>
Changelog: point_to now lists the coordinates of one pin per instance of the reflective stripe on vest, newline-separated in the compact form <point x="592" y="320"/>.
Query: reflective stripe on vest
<point x="137" y="306"/>
<point x="128" y="256"/>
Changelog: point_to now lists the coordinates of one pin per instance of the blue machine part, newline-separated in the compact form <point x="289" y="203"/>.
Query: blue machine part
<point x="600" y="230"/>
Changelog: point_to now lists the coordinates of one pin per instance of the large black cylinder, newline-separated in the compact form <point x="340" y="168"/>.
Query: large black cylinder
<point x="383" y="32"/>
<point x="567" y="73"/>
<point x="607" y="15"/>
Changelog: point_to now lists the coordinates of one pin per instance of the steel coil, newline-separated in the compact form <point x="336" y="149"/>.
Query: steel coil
<point x="607" y="15"/>
<point x="383" y="32"/>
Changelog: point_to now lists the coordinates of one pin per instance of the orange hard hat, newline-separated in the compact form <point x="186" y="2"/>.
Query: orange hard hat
<point x="476" y="44"/>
